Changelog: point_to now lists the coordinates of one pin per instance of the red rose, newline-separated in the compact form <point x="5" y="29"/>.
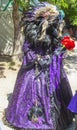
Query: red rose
<point x="68" y="43"/>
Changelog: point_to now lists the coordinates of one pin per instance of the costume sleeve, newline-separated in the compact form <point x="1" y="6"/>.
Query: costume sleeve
<point x="29" y="54"/>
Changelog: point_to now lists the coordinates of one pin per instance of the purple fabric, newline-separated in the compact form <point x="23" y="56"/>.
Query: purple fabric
<point x="73" y="104"/>
<point x="28" y="90"/>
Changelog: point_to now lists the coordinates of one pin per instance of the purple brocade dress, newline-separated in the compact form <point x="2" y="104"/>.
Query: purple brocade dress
<point x="41" y="94"/>
<point x="73" y="104"/>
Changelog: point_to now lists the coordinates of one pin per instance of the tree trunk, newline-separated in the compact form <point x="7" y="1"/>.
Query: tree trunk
<point x="17" y="31"/>
<point x="15" y="16"/>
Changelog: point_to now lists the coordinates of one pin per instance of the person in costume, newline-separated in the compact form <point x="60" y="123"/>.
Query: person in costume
<point x="73" y="107"/>
<point x="42" y="91"/>
<point x="73" y="104"/>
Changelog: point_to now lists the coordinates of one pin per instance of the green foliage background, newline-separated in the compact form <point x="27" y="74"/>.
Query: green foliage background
<point x="69" y="7"/>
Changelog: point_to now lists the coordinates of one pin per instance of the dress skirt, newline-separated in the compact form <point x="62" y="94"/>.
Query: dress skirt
<point x="41" y="94"/>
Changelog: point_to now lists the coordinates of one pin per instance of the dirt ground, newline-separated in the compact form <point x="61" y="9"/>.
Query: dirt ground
<point x="8" y="74"/>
